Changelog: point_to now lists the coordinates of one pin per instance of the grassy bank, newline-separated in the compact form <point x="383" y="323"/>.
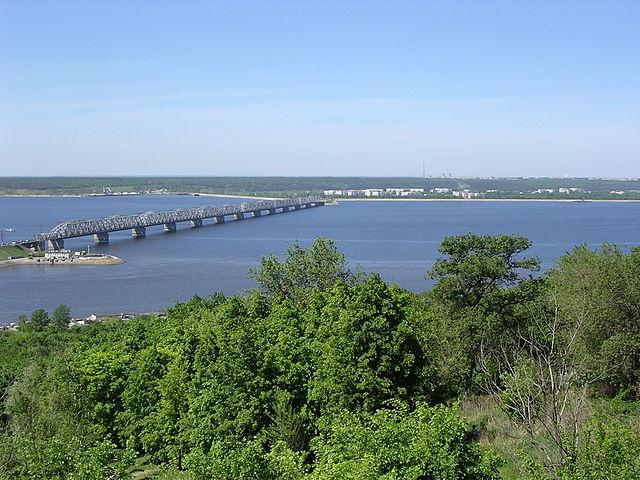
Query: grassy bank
<point x="9" y="251"/>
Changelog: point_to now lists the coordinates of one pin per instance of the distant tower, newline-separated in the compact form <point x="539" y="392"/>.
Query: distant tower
<point x="424" y="171"/>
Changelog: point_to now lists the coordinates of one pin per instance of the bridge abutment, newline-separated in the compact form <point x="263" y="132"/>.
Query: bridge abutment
<point x="55" y="244"/>
<point x="139" y="232"/>
<point x="170" y="227"/>
<point x="101" y="238"/>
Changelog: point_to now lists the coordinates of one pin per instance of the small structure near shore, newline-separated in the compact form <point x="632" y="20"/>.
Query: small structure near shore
<point x="54" y="255"/>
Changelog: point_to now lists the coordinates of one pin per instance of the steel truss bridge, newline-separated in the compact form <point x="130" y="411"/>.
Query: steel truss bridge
<point x="101" y="227"/>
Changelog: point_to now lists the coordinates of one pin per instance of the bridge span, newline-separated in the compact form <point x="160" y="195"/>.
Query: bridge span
<point x="100" y="228"/>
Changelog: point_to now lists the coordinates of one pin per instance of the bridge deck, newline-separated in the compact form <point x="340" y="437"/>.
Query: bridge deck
<point x="81" y="228"/>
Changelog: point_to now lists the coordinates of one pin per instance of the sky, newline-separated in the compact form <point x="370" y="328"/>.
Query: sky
<point x="536" y="88"/>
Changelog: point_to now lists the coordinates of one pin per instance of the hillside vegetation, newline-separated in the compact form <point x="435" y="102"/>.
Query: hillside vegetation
<point x="496" y="372"/>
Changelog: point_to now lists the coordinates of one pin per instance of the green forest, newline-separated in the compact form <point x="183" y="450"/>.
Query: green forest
<point x="499" y="370"/>
<point x="516" y="187"/>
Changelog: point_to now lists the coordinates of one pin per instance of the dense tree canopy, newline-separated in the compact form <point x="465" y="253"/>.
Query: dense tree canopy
<point x="319" y="373"/>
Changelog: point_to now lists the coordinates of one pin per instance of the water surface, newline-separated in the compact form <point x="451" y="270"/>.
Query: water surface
<point x="399" y="240"/>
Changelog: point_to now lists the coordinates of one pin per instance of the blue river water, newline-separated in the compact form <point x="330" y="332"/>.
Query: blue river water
<point x="399" y="240"/>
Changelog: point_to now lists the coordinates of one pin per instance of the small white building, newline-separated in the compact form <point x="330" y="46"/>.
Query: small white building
<point x="58" y="255"/>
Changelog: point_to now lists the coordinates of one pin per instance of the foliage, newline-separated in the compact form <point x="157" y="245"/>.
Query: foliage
<point x="287" y="186"/>
<point x="600" y="291"/>
<point x="303" y="271"/>
<point x="324" y="374"/>
<point x="479" y="289"/>
<point x="61" y="316"/>
<point x="397" y="444"/>
<point x="39" y="320"/>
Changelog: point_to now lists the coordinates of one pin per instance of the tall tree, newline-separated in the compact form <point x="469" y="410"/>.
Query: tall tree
<point x="476" y="265"/>
<point x="600" y="291"/>
<point x="40" y="319"/>
<point x="61" y="316"/>
<point x="479" y="280"/>
<point x="318" y="267"/>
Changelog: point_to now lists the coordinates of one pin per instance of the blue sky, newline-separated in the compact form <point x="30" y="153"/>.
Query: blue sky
<point x="320" y="88"/>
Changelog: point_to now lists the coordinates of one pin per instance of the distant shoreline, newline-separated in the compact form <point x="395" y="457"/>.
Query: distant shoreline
<point x="89" y="195"/>
<point x="229" y="195"/>
<point x="328" y="199"/>
<point x="563" y="200"/>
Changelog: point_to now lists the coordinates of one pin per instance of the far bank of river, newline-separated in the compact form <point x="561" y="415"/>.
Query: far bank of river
<point x="560" y="200"/>
<point x="328" y="199"/>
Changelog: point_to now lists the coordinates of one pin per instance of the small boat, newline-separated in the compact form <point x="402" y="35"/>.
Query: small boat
<point x="9" y="229"/>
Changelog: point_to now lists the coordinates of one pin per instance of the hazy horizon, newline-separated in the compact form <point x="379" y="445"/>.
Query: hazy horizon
<point x="546" y="89"/>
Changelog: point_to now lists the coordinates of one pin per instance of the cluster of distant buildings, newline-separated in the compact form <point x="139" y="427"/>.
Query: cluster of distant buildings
<point x="93" y="318"/>
<point x="561" y="190"/>
<point x="453" y="192"/>
<point x="401" y="192"/>
<point x="375" y="192"/>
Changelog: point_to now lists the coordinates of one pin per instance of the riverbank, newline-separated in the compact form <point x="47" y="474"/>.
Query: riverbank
<point x="359" y="199"/>
<point x="557" y="200"/>
<point x="228" y="195"/>
<point x="92" y="195"/>
<point x="102" y="260"/>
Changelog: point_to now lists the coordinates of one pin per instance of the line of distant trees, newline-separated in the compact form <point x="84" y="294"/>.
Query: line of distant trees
<point x="296" y="185"/>
<point x="39" y="321"/>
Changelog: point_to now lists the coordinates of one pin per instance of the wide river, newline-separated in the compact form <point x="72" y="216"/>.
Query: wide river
<point x="399" y="240"/>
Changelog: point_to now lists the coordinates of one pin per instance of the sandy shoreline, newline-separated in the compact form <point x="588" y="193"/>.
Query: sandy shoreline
<point x="88" y="195"/>
<point x="337" y="200"/>
<point x="80" y="261"/>
<point x="225" y="195"/>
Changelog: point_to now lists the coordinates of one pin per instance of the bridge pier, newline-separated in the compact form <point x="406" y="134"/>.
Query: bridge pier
<point x="170" y="227"/>
<point x="297" y="206"/>
<point x="139" y="232"/>
<point x="219" y="219"/>
<point x="197" y="223"/>
<point x="257" y="213"/>
<point x="55" y="244"/>
<point x="272" y="211"/>
<point x="239" y="216"/>
<point x="101" y="238"/>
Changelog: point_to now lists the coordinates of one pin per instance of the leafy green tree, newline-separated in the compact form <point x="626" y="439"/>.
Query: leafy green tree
<point x="600" y="291"/>
<point x="61" y="316"/>
<point x="366" y="350"/>
<point x="398" y="443"/>
<point x="476" y="265"/>
<point x="40" y="319"/>
<point x="24" y="325"/>
<point x="480" y="284"/>
<point x="317" y="268"/>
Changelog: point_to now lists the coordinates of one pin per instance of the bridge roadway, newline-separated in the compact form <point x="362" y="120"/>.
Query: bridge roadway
<point x="100" y="228"/>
